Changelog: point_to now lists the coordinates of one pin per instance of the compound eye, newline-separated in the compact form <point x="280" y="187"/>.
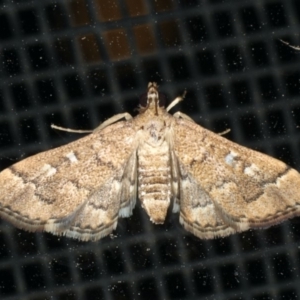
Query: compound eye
<point x="163" y="99"/>
<point x="143" y="100"/>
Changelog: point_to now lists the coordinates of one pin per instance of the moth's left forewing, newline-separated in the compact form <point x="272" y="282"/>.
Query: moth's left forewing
<point x="244" y="188"/>
<point x="74" y="189"/>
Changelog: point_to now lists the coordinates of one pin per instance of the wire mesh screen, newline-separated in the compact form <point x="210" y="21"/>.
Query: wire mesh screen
<point x="75" y="63"/>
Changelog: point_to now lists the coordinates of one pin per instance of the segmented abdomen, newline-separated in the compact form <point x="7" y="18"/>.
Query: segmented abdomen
<point x="154" y="176"/>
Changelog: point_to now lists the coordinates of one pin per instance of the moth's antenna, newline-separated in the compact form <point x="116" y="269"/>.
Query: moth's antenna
<point x="69" y="129"/>
<point x="291" y="46"/>
<point x="176" y="101"/>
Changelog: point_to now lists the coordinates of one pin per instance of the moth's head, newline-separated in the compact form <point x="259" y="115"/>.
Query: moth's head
<point x="152" y="99"/>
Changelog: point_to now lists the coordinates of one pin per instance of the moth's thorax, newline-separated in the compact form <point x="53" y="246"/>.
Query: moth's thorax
<point x="154" y="172"/>
<point x="155" y="132"/>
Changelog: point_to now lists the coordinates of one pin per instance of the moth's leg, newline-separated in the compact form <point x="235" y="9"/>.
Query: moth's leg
<point x="181" y="115"/>
<point x="106" y="123"/>
<point x="176" y="101"/>
<point x="224" y="132"/>
<point x="291" y="46"/>
<point x="70" y="130"/>
<point x="112" y="120"/>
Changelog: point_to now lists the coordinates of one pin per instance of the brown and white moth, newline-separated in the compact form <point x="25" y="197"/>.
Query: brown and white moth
<point x="169" y="162"/>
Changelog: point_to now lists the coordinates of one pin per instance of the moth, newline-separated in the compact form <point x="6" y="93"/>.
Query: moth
<point x="168" y="162"/>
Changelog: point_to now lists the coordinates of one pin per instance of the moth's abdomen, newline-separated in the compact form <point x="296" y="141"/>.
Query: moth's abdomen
<point x="154" y="181"/>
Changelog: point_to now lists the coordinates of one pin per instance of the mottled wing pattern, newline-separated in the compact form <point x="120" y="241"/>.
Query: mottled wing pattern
<point x="74" y="190"/>
<point x="226" y="188"/>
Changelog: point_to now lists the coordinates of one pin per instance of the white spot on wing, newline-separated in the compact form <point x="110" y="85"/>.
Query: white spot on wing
<point x="51" y="172"/>
<point x="252" y="170"/>
<point x="48" y="170"/>
<point x="229" y="158"/>
<point x="72" y="157"/>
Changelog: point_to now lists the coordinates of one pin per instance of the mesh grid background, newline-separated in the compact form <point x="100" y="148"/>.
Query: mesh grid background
<point x="76" y="63"/>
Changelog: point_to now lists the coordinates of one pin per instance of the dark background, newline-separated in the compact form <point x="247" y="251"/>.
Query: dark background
<point x="75" y="63"/>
